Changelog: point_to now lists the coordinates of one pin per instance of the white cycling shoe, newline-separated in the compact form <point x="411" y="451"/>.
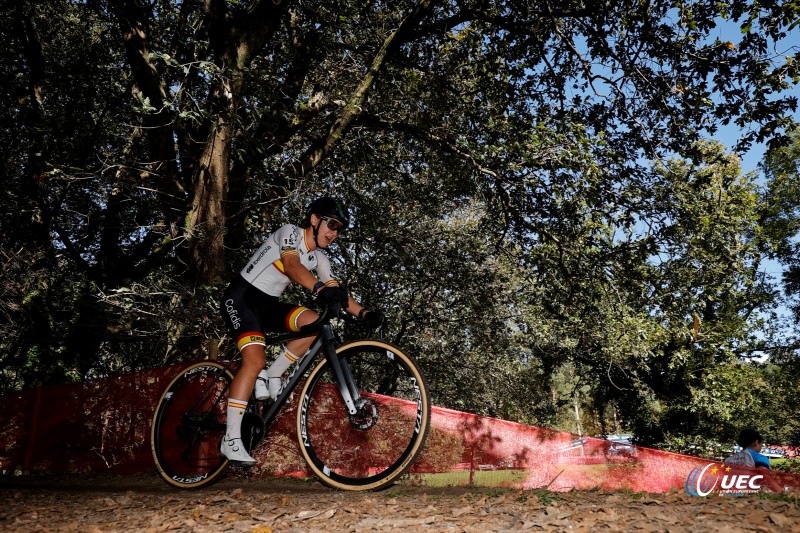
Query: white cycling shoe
<point x="267" y="388"/>
<point x="234" y="450"/>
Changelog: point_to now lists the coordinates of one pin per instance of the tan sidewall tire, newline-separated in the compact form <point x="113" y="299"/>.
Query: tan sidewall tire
<point x="424" y="423"/>
<point x="164" y="475"/>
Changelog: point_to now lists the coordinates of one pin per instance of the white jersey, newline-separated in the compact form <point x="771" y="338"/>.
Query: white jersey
<point x="265" y="269"/>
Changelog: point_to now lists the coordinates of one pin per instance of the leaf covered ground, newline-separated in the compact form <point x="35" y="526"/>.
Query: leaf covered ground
<point x="145" y="503"/>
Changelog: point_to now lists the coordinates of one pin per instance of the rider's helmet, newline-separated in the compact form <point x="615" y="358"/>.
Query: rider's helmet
<point x="327" y="207"/>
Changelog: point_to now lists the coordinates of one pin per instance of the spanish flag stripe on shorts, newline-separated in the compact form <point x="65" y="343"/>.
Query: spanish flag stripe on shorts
<point x="291" y="318"/>
<point x="248" y="338"/>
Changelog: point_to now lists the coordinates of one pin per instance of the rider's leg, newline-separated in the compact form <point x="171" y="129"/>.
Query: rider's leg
<point x="301" y="346"/>
<point x="253" y="360"/>
<point x="294" y="350"/>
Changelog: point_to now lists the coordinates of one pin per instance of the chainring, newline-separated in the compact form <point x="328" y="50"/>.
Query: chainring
<point x="253" y="430"/>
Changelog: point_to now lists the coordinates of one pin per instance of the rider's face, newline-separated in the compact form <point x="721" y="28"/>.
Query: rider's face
<point x="325" y="235"/>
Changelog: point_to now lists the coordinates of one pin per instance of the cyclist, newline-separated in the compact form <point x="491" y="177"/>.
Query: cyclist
<point x="251" y="307"/>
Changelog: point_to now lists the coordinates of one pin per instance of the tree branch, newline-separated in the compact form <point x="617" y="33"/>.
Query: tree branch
<point x="318" y="150"/>
<point x="158" y="124"/>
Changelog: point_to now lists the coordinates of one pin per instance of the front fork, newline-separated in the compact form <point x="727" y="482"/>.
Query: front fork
<point x="341" y="370"/>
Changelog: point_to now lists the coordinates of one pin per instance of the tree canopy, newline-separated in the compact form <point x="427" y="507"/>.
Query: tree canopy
<point x="536" y="202"/>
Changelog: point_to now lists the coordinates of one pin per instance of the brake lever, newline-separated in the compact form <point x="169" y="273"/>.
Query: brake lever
<point x="347" y="318"/>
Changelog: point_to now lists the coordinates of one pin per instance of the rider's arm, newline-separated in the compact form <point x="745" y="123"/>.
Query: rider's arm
<point x="325" y="276"/>
<point x="296" y="271"/>
<point x="287" y="239"/>
<point x="353" y="307"/>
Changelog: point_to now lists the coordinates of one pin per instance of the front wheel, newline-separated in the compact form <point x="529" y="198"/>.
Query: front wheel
<point x="189" y="424"/>
<point x="374" y="447"/>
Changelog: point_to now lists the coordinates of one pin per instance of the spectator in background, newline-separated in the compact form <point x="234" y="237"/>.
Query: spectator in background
<point x="751" y="443"/>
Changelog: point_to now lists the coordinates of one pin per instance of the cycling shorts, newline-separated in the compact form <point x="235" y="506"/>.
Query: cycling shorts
<point x="249" y="313"/>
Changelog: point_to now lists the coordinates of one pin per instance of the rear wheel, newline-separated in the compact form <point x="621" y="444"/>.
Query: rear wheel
<point x="189" y="424"/>
<point x="374" y="447"/>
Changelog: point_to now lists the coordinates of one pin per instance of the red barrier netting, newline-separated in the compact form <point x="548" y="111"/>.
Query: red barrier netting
<point x="104" y="426"/>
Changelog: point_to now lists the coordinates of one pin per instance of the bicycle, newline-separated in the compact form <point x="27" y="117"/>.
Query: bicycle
<point x="362" y="419"/>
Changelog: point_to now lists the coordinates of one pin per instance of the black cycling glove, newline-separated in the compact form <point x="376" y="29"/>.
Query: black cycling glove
<point x="330" y="296"/>
<point x="373" y="319"/>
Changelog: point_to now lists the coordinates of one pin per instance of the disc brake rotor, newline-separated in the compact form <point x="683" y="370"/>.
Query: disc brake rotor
<point x="366" y="416"/>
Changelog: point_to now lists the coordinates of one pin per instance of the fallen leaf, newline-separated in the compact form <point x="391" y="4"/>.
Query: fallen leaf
<point x="305" y="515"/>
<point x="781" y="520"/>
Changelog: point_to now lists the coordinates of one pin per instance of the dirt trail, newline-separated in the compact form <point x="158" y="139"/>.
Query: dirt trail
<point x="145" y="503"/>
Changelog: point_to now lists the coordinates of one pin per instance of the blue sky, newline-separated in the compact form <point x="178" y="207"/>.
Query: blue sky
<point x="728" y="135"/>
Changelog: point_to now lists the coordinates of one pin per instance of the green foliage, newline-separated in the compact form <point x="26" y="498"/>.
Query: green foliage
<point x="535" y="208"/>
<point x="781" y="212"/>
<point x="787" y="465"/>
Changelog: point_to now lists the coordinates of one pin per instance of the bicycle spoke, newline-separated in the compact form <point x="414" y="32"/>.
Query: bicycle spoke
<point x="188" y="425"/>
<point x="373" y="447"/>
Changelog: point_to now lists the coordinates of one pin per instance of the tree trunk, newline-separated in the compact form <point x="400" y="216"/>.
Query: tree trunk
<point x="578" y="426"/>
<point x="205" y="228"/>
<point x="235" y="37"/>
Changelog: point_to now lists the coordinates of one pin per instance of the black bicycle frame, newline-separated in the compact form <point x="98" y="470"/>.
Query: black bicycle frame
<point x="326" y="340"/>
